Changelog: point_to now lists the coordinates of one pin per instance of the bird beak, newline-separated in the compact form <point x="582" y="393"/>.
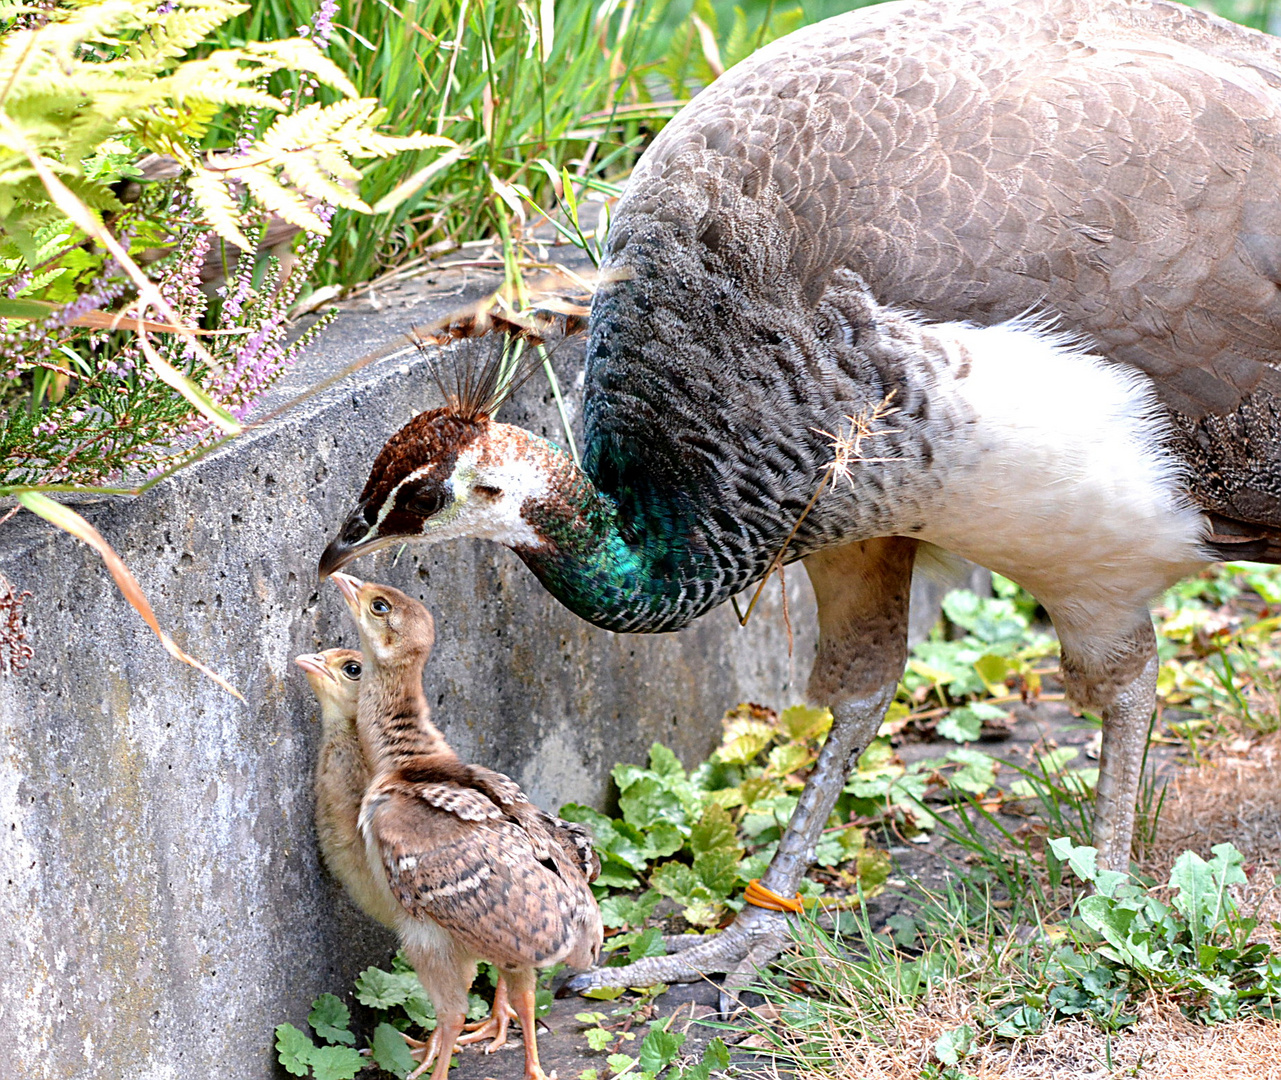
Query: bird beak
<point x="314" y="664"/>
<point x="348" y="544"/>
<point x="352" y="540"/>
<point x="350" y="588"/>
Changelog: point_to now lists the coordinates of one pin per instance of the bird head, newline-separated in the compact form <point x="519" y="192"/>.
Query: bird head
<point x="334" y="677"/>
<point x="452" y="472"/>
<point x="395" y="630"/>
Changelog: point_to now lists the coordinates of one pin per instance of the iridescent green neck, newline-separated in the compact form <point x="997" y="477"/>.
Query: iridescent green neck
<point x="629" y="576"/>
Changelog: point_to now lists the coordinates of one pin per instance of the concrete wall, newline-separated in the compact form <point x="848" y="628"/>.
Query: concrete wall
<point x="161" y="902"/>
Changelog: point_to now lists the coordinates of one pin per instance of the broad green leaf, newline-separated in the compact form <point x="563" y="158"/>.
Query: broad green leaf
<point x="335" y="1062"/>
<point x="619" y="911"/>
<point x="620" y="1062"/>
<point x="788" y="758"/>
<point x="648" y="943"/>
<point x="659" y="1049"/>
<point x="803" y="722"/>
<point x="952" y="1046"/>
<point x="976" y="774"/>
<point x="960" y="725"/>
<point x="598" y="1038"/>
<point x="331" y="1020"/>
<point x="714" y="831"/>
<point x="390" y="1052"/>
<point x="293" y="1049"/>
<point x="662" y="840"/>
<point x="665" y="763"/>
<point x="718" y="871"/>
<point x="646" y="802"/>
<point x="381" y="989"/>
<point x="1082" y="860"/>
<point x="993" y="670"/>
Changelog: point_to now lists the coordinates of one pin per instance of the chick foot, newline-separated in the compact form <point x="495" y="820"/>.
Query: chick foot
<point x="493" y="1026"/>
<point x="422" y="1052"/>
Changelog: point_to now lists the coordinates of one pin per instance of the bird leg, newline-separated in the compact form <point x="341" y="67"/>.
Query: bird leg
<point x="422" y="1052"/>
<point x="1122" y="689"/>
<point x="448" y="1026"/>
<point x="523" y="983"/>
<point x="493" y="1026"/>
<point x="862" y="591"/>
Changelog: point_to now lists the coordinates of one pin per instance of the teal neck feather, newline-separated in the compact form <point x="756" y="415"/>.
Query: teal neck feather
<point x="629" y="576"/>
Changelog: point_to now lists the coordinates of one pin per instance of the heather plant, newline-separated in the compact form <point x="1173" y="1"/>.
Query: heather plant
<point x="108" y="381"/>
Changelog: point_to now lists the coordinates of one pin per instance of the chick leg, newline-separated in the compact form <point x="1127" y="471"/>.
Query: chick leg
<point x="862" y="591"/>
<point x="1122" y="689"/>
<point x="422" y="1052"/>
<point x="495" y="1025"/>
<point x="523" y="983"/>
<point x="448" y="1026"/>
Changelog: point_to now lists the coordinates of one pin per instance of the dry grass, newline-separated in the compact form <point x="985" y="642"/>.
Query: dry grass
<point x="1234" y="797"/>
<point x="1162" y="1045"/>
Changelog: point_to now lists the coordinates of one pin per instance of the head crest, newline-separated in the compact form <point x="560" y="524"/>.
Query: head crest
<point x="479" y="360"/>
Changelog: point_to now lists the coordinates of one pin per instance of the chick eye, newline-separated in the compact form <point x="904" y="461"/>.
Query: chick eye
<point x="351" y="669"/>
<point x="379" y="606"/>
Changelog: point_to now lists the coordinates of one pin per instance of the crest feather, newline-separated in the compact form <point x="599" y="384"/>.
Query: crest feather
<point x="480" y="359"/>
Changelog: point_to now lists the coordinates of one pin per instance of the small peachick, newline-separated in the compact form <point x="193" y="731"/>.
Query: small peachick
<point x="342" y="777"/>
<point x="478" y="872"/>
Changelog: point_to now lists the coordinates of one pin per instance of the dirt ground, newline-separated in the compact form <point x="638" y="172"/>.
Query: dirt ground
<point x="1235" y="796"/>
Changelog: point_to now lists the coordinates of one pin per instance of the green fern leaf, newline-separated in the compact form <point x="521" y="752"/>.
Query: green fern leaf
<point x="282" y="202"/>
<point x="218" y="206"/>
<point x="301" y="54"/>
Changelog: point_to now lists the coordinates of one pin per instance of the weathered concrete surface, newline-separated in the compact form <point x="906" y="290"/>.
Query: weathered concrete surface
<point x="161" y="902"/>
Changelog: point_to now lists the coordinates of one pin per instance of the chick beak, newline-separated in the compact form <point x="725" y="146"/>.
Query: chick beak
<point x="314" y="664"/>
<point x="350" y="588"/>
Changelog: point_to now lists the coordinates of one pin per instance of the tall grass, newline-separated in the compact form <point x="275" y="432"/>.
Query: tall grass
<point x="520" y="85"/>
<point x="511" y="81"/>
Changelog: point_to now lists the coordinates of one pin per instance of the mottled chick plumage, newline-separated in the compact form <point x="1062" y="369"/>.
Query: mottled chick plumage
<point x="478" y="872"/>
<point x="342" y="776"/>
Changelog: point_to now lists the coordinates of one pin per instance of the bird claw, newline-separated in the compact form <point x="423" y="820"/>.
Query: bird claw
<point x="754" y="938"/>
<point x="493" y="1027"/>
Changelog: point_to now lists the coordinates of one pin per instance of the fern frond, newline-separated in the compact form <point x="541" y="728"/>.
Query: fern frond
<point x="171" y="35"/>
<point x="217" y="205"/>
<point x="301" y="54"/>
<point x="286" y="204"/>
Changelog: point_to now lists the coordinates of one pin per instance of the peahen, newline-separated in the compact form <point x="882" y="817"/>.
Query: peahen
<point x="1004" y="273"/>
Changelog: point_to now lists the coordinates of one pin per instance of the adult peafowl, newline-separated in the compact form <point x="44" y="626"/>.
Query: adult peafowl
<point x="1005" y="273"/>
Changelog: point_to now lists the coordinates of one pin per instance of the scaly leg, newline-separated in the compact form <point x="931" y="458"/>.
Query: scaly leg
<point x="1122" y="689"/>
<point x="448" y="1026"/>
<point x="495" y="1025"/>
<point x="422" y="1052"/>
<point x="523" y="983"/>
<point x="862" y="592"/>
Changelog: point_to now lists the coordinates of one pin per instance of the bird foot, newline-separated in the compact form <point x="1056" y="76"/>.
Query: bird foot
<point x="741" y="950"/>
<point x="493" y="1027"/>
<point x="422" y="1052"/>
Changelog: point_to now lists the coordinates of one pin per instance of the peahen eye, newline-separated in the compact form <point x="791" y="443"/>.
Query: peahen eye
<point x="426" y="502"/>
<point x="379" y="606"/>
<point x="352" y="670"/>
